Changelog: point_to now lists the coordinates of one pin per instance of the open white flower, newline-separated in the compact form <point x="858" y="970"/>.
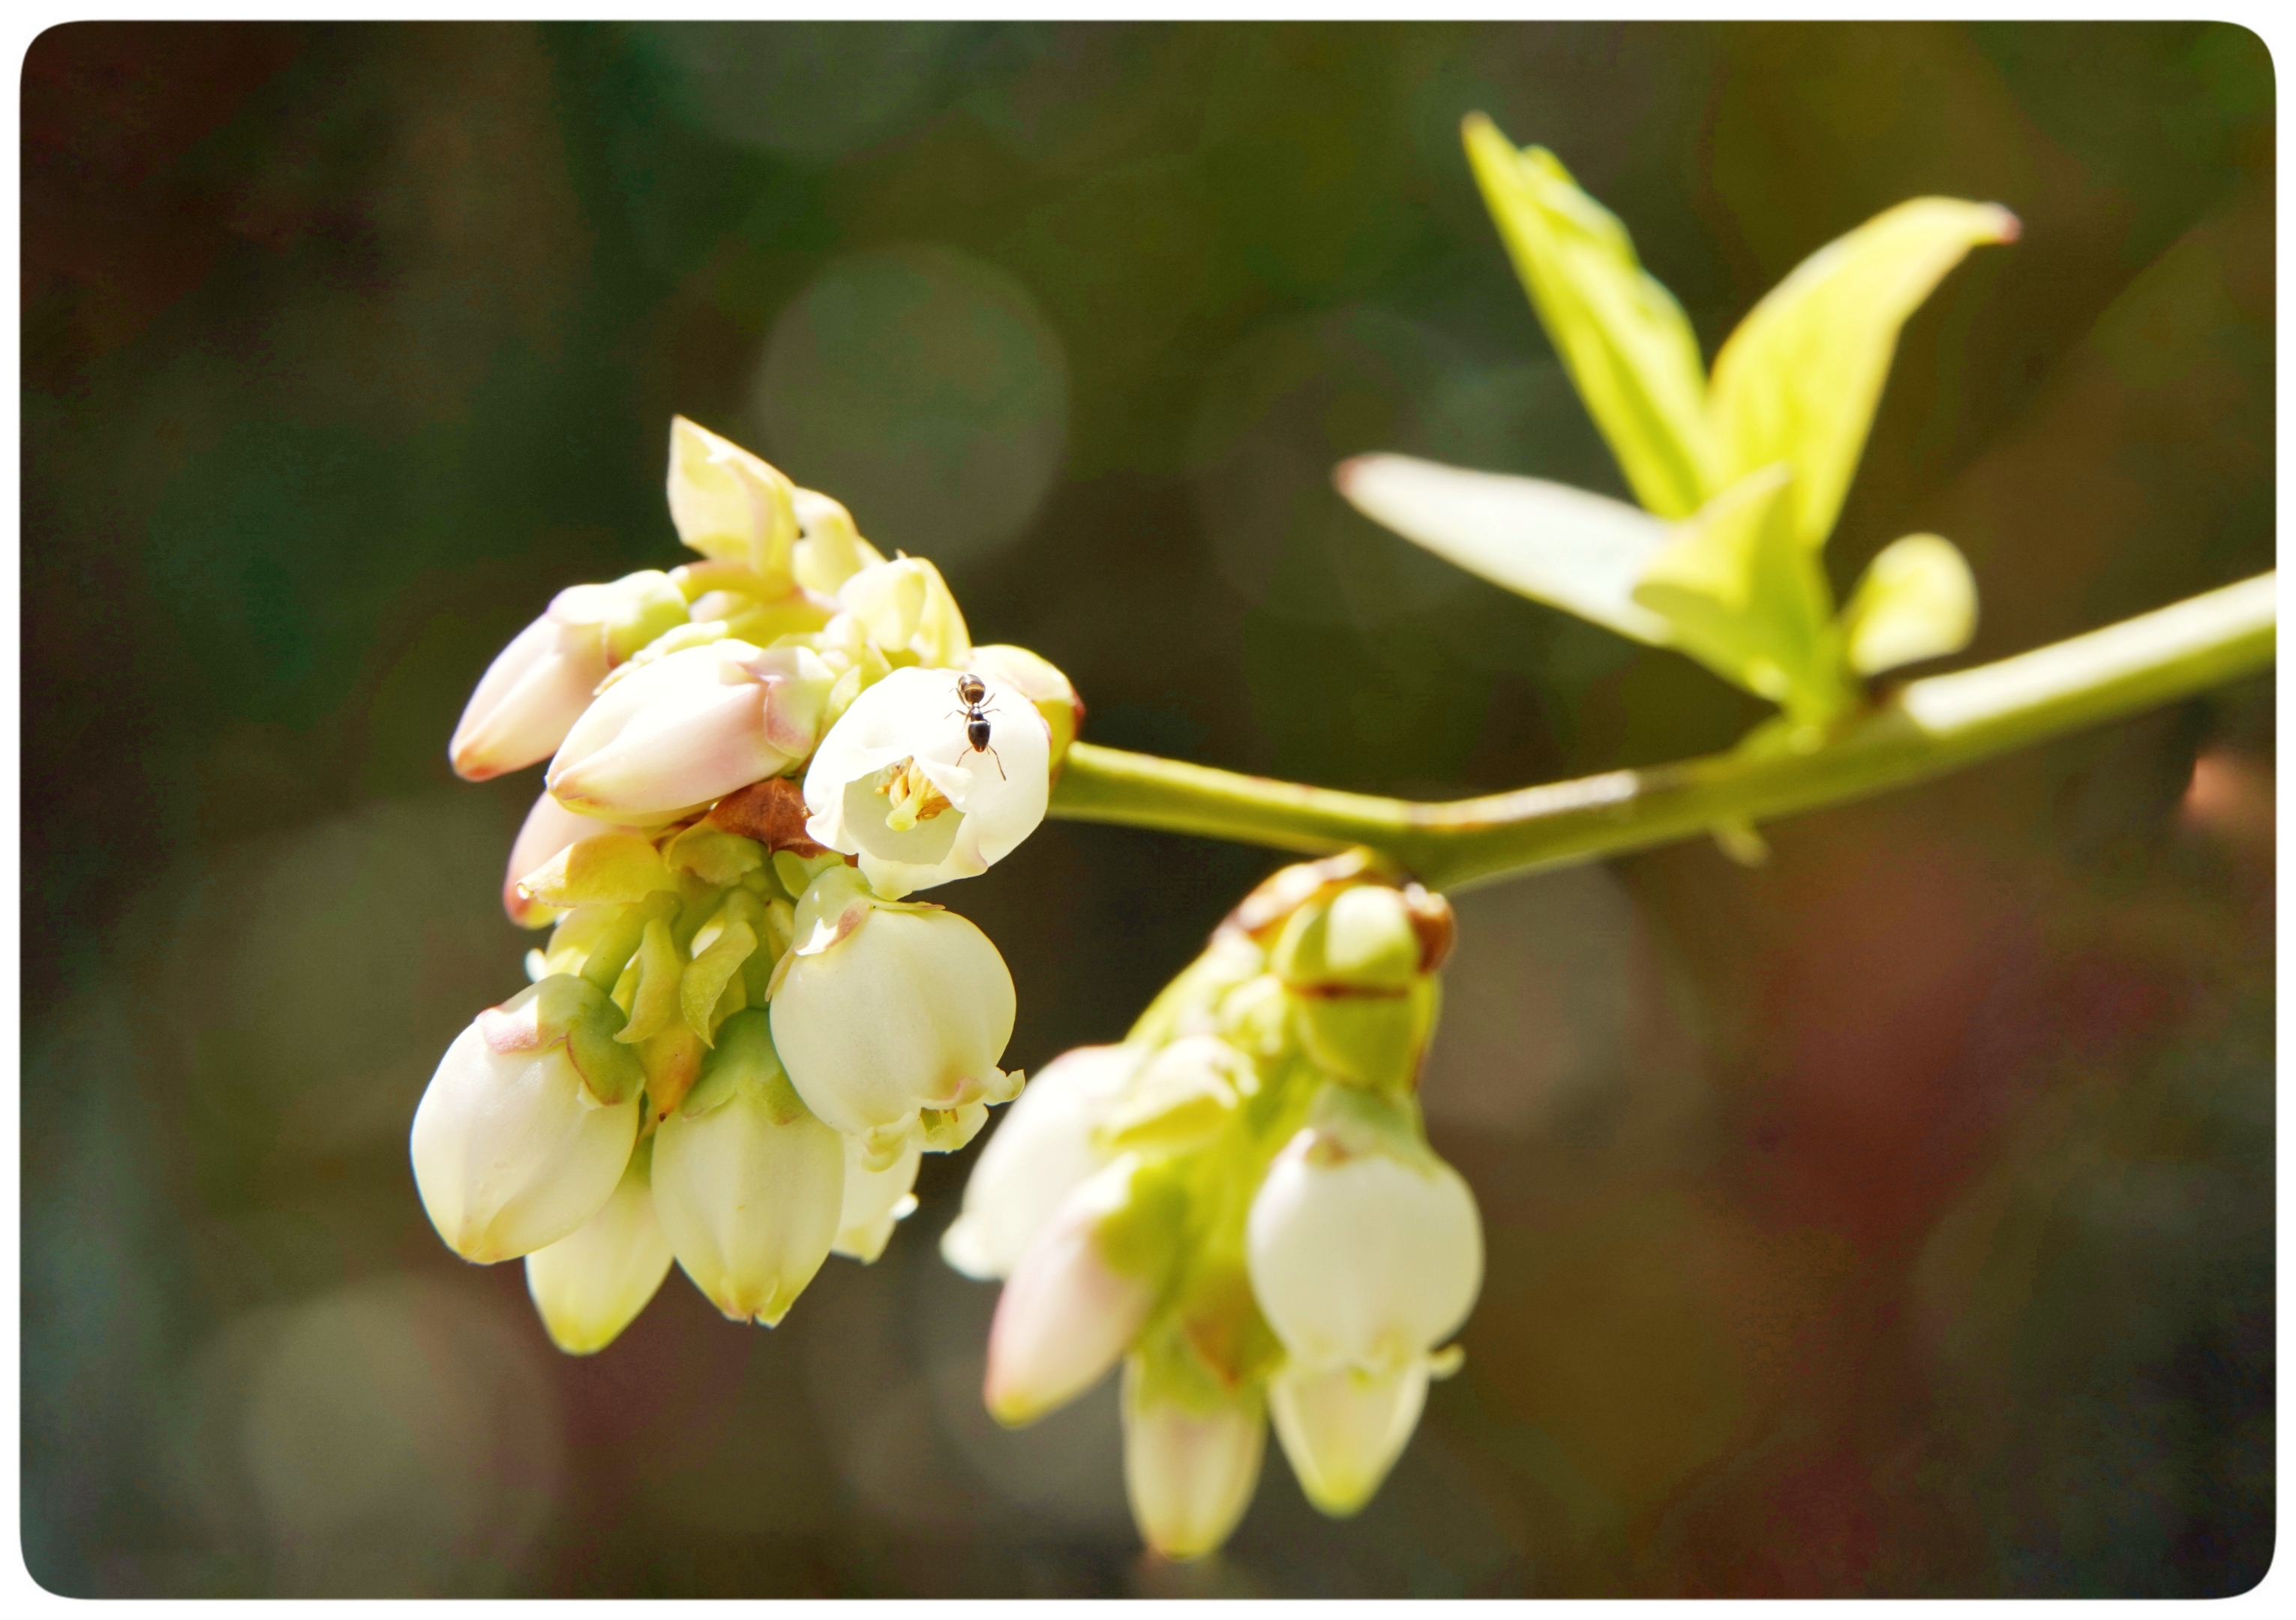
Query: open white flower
<point x="1042" y="1150"/>
<point x="898" y="782"/>
<point x="891" y="1017"/>
<point x="590" y="1285"/>
<point x="689" y="728"/>
<point x="515" y="1144"/>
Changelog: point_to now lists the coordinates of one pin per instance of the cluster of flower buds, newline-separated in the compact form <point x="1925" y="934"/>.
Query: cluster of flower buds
<point x="1240" y="1204"/>
<point x="741" y="1034"/>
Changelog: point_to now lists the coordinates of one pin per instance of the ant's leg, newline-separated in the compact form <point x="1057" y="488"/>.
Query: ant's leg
<point x="999" y="758"/>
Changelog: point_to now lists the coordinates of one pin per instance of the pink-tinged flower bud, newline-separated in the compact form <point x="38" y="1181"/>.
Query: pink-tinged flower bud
<point x="874" y="1201"/>
<point x="899" y="784"/>
<point x="1343" y="1428"/>
<point x="539" y="684"/>
<point x="526" y="1127"/>
<point x="1189" y="1466"/>
<point x="550" y="829"/>
<point x="1042" y="1151"/>
<point x="887" y="1013"/>
<point x="749" y="1185"/>
<point x="591" y="1285"/>
<point x="1069" y="1311"/>
<point x="689" y="728"/>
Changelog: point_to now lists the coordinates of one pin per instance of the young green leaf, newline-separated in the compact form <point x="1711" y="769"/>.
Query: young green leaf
<point x="1917" y="601"/>
<point x="1746" y="599"/>
<point x="1799" y="381"/>
<point x="1627" y="345"/>
<point x="1565" y="547"/>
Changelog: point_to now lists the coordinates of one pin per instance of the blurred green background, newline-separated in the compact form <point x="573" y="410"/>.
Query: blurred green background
<point x="1896" y="1218"/>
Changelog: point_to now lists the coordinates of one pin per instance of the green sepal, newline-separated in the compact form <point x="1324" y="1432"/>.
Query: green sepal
<point x="745" y="1064"/>
<point x="796" y="873"/>
<point x="1174" y="1105"/>
<point x="1145" y="1236"/>
<point x="618" y="936"/>
<point x="713" y="972"/>
<point x="605" y="868"/>
<point x="713" y="855"/>
<point x="646" y="605"/>
<point x="654" y="1000"/>
<point x="580" y="1013"/>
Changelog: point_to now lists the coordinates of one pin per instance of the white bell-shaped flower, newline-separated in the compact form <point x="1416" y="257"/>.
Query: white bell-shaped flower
<point x="1342" y="1427"/>
<point x="750" y="1186"/>
<point x="899" y="784"/>
<point x="514" y="1147"/>
<point x="1069" y="1311"/>
<point x="538" y="685"/>
<point x="689" y="728"/>
<point x="891" y="1017"/>
<point x="1189" y="1468"/>
<point x="1365" y="1253"/>
<point x="1042" y="1150"/>
<point x="874" y="1201"/>
<point x="590" y="1285"/>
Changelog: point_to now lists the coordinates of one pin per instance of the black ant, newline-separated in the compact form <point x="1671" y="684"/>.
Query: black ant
<point x="969" y="692"/>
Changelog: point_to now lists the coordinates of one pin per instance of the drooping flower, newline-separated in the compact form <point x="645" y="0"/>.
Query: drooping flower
<point x="898" y="782"/>
<point x="747" y="1183"/>
<point x="526" y="1127"/>
<point x="1365" y="1253"/>
<point x="591" y="1285"/>
<point x="891" y="1017"/>
<point x="538" y="686"/>
<point x="1042" y="1151"/>
<point x="549" y="829"/>
<point x="1189" y="1466"/>
<point x="689" y="728"/>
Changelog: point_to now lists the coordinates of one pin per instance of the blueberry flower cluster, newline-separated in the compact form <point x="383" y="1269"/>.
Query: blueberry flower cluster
<point x="1238" y="1202"/>
<point x="741" y="1034"/>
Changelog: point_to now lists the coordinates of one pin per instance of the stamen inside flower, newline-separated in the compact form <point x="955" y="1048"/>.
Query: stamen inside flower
<point x="912" y="796"/>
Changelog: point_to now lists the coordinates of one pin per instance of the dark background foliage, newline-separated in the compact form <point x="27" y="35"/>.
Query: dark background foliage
<point x="1895" y="1218"/>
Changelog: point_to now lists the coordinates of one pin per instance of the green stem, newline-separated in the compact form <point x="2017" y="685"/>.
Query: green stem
<point x="1926" y="728"/>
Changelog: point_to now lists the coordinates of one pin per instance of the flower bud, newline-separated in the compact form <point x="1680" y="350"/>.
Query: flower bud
<point x="874" y="1200"/>
<point x="539" y="684"/>
<point x="689" y="728"/>
<point x="899" y="784"/>
<point x="1365" y="1248"/>
<point x="527" y="1125"/>
<point x="1069" y="1309"/>
<point x="1343" y="1429"/>
<point x="905" y="606"/>
<point x="747" y="1183"/>
<point x="590" y="1285"/>
<point x="1042" y="1150"/>
<point x="1189" y="1466"/>
<point x="885" y="1009"/>
<point x="830" y="550"/>
<point x="1018" y="670"/>
<point x="729" y="504"/>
